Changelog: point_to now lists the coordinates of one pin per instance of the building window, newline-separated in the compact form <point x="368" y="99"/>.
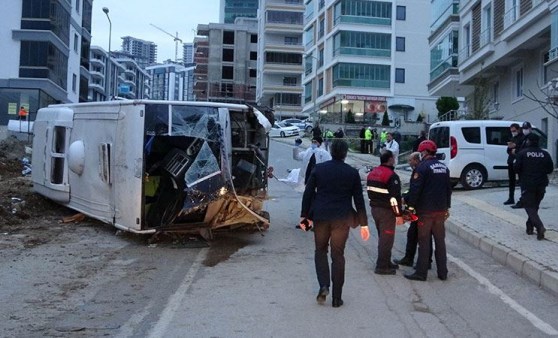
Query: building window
<point x="399" y="75"/>
<point x="253" y="55"/>
<point x="76" y="43"/>
<point x="320" y="58"/>
<point x="252" y="72"/>
<point x="254" y="38"/>
<point x="518" y="85"/>
<point x="228" y="54"/>
<point x="290" y="81"/>
<point x="400" y="44"/>
<point x="362" y="44"/>
<point x="288" y="58"/>
<point x="401" y="13"/>
<point x="74" y="83"/>
<point x="227" y="72"/>
<point x="292" y="40"/>
<point x="361" y="75"/>
<point x="308" y="92"/>
<point x="228" y="37"/>
<point x="284" y="17"/>
<point x="320" y="88"/>
<point x="77" y="5"/>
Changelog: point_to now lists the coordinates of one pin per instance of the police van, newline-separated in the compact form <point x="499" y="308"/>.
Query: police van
<point x="475" y="150"/>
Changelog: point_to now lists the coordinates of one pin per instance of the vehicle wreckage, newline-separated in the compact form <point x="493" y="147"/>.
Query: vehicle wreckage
<point x="155" y="166"/>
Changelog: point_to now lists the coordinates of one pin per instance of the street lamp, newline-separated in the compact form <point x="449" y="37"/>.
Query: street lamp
<point x="109" y="89"/>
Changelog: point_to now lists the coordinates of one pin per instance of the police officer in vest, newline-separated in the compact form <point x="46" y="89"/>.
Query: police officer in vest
<point x="430" y="195"/>
<point x="533" y="165"/>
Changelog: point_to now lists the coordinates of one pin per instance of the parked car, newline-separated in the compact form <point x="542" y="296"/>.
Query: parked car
<point x="475" y="151"/>
<point x="283" y="129"/>
<point x="303" y="125"/>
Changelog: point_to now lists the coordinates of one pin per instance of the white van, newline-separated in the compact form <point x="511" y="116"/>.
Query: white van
<point x="475" y="150"/>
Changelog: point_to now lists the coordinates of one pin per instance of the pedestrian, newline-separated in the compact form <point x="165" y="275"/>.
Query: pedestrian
<point x="22" y="113"/>
<point x="384" y="192"/>
<point x="392" y="145"/>
<point x="310" y="157"/>
<point x="339" y="133"/>
<point x="412" y="232"/>
<point x="368" y="140"/>
<point x="515" y="141"/>
<point x="422" y="137"/>
<point x="327" y="203"/>
<point x="430" y="196"/>
<point x="526" y="129"/>
<point x="316" y="131"/>
<point x="383" y="136"/>
<point x="362" y="136"/>
<point x="328" y="138"/>
<point x="533" y="166"/>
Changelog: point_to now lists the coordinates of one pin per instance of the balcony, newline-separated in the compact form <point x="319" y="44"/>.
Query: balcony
<point x="358" y="51"/>
<point x="363" y="20"/>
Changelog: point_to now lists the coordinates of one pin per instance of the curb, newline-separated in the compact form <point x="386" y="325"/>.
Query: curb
<point x="523" y="266"/>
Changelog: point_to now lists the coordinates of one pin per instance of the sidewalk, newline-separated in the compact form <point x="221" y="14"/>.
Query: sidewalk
<point x="480" y="218"/>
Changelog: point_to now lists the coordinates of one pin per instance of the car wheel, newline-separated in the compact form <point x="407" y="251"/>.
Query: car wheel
<point x="282" y="134"/>
<point x="473" y="177"/>
<point x="308" y="129"/>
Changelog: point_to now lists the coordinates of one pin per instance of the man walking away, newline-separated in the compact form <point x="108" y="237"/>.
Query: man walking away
<point x="533" y="165"/>
<point x="384" y="191"/>
<point x="514" y="142"/>
<point x="430" y="195"/>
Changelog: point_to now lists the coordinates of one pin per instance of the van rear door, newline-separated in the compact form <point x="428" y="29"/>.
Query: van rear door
<point x="440" y="134"/>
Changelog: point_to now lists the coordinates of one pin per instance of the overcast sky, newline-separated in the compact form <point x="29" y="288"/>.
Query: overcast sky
<point x="133" y="18"/>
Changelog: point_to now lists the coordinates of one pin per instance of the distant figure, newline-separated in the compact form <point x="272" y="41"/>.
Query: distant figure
<point x="368" y="140"/>
<point x="526" y="128"/>
<point x="533" y="166"/>
<point x="22" y="114"/>
<point x="422" y="137"/>
<point x="362" y="136"/>
<point x="383" y="136"/>
<point x="316" y="131"/>
<point x="339" y="133"/>
<point x="328" y="137"/>
<point x="392" y="146"/>
<point x="513" y="143"/>
<point x="310" y="157"/>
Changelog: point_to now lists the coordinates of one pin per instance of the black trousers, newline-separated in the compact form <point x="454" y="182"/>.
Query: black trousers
<point x="412" y="242"/>
<point x="432" y="225"/>
<point x="512" y="180"/>
<point x="531" y="199"/>
<point x="332" y="234"/>
<point x="385" y="224"/>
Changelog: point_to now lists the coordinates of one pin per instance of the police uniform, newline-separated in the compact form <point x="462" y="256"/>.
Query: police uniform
<point x="430" y="195"/>
<point x="533" y="165"/>
<point x="383" y="184"/>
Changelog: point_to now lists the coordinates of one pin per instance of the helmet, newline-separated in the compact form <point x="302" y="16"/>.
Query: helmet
<point x="428" y="145"/>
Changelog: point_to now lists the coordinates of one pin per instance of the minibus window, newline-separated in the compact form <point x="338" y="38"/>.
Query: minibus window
<point x="471" y="134"/>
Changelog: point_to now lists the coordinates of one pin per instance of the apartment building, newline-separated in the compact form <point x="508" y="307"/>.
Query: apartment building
<point x="172" y="81"/>
<point x="226" y="57"/>
<point x="229" y="10"/>
<point x="279" y="67"/>
<point x="188" y="54"/>
<point x="45" y="54"/>
<point x="144" y="52"/>
<point x="364" y="58"/>
<point x="502" y="57"/>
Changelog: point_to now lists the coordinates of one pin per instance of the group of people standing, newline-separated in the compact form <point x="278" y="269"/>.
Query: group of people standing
<point x="327" y="208"/>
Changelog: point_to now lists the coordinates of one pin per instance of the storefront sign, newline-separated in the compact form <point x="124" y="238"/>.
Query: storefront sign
<point x="365" y="98"/>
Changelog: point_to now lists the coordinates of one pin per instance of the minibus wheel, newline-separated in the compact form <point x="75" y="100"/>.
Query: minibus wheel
<point x="473" y="177"/>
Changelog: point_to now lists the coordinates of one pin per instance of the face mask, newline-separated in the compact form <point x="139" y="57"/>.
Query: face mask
<point x="526" y="132"/>
<point x="314" y="146"/>
<point x="514" y="133"/>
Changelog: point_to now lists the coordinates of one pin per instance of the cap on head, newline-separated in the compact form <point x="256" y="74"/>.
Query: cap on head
<point x="533" y="140"/>
<point x="526" y="125"/>
<point x="428" y="145"/>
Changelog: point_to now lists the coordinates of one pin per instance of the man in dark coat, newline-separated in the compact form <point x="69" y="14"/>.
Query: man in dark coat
<point x="515" y="142"/>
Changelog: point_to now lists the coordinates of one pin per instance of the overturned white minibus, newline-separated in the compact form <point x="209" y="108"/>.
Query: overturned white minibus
<point x="149" y="166"/>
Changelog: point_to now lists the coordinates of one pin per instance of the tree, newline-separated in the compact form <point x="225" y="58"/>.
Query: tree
<point x="446" y="103"/>
<point x="480" y="102"/>
<point x="547" y="98"/>
<point x="385" y="119"/>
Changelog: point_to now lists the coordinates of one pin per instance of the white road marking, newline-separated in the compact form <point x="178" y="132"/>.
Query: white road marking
<point x="536" y="321"/>
<point x="175" y="300"/>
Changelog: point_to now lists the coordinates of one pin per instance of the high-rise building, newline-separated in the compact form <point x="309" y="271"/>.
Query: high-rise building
<point x="188" y="54"/>
<point x="366" y="58"/>
<point x="279" y="80"/>
<point x="144" y="52"/>
<point x="232" y="9"/>
<point x="172" y="82"/>
<point x="226" y="57"/>
<point x="501" y="57"/>
<point x="45" y="54"/>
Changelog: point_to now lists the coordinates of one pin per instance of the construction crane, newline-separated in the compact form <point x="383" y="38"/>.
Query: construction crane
<point x="175" y="38"/>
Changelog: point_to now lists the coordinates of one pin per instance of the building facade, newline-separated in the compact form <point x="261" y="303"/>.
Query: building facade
<point x="365" y="58"/>
<point x="279" y="80"/>
<point x="501" y="56"/>
<point x="226" y="60"/>
<point x="229" y="10"/>
<point x="171" y="81"/>
<point x="45" y="54"/>
<point x="144" y="52"/>
<point x="188" y="54"/>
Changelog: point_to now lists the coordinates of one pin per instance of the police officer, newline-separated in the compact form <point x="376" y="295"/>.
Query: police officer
<point x="514" y="143"/>
<point x="533" y="165"/>
<point x="430" y="195"/>
<point x="384" y="192"/>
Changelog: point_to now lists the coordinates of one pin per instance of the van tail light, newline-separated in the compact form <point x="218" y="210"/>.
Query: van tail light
<point x="453" y="147"/>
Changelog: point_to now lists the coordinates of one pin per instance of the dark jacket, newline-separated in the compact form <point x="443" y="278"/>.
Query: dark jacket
<point x="417" y="142"/>
<point x="430" y="188"/>
<point x="533" y="166"/>
<point x="329" y="194"/>
<point x="518" y="141"/>
<point x="382" y="184"/>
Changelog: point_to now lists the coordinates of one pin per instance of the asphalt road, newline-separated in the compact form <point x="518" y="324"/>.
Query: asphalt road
<point x="95" y="283"/>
